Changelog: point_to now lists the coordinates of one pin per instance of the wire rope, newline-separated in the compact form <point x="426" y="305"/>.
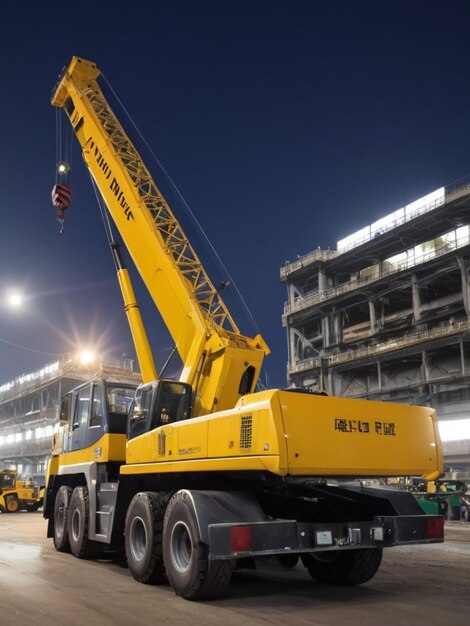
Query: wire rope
<point x="17" y="345"/>
<point x="185" y="204"/>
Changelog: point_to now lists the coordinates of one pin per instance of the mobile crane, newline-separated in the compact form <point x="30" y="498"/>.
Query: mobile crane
<point x="209" y="472"/>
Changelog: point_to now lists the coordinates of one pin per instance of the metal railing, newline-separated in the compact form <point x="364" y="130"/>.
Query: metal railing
<point x="306" y="259"/>
<point x="68" y="365"/>
<point x="388" y="346"/>
<point x="316" y="297"/>
<point x="452" y="192"/>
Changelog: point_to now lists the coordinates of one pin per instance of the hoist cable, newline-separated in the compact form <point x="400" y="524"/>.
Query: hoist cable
<point x="185" y="204"/>
<point x="56" y="142"/>
<point x="104" y="213"/>
<point x="17" y="345"/>
<point x="71" y="130"/>
<point x="113" y="244"/>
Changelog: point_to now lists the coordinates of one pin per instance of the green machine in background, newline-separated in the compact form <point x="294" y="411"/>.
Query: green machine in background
<point x="440" y="496"/>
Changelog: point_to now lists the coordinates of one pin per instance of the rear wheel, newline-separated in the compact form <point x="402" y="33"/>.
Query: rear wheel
<point x="189" y="571"/>
<point x="143" y="538"/>
<point x="12" y="504"/>
<point x="77" y="526"/>
<point x="348" y="567"/>
<point x="61" y="516"/>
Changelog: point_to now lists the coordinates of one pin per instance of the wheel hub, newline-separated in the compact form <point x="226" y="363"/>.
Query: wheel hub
<point x="138" y="539"/>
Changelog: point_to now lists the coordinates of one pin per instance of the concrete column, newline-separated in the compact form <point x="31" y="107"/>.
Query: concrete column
<point x="416" y="298"/>
<point x="292" y="292"/>
<point x="322" y="280"/>
<point x="379" y="376"/>
<point x="338" y="327"/>
<point x="325" y="329"/>
<point x="425" y="365"/>
<point x="462" y="357"/>
<point x="329" y="379"/>
<point x="374" y="326"/>
<point x="290" y="345"/>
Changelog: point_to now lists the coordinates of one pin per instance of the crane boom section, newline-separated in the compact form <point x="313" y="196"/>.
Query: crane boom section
<point x="192" y="309"/>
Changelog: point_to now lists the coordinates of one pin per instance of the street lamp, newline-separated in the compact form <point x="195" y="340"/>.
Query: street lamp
<point x="86" y="357"/>
<point x="14" y="299"/>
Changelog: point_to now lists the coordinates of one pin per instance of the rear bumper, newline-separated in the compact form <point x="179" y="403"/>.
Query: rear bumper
<point x="285" y="536"/>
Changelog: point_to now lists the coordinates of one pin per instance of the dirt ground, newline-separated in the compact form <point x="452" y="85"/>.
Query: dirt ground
<point x="416" y="585"/>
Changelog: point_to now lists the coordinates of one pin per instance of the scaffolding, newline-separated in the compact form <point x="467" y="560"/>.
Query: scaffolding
<point x="386" y="315"/>
<point x="29" y="407"/>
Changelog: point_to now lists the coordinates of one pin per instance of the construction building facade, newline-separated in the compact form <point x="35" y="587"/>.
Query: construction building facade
<point x="386" y="316"/>
<point x="30" y="406"/>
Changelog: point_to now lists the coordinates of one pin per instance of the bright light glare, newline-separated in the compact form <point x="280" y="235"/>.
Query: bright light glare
<point x="454" y="430"/>
<point x="86" y="357"/>
<point x="62" y="168"/>
<point x="14" y="299"/>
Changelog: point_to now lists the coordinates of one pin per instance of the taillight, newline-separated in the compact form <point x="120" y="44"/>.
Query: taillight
<point x="435" y="528"/>
<point x="241" y="538"/>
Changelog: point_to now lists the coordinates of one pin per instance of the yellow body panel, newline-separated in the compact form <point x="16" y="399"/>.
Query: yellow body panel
<point x="108" y="448"/>
<point x="249" y="463"/>
<point x="328" y="435"/>
<point x="296" y="434"/>
<point x="139" y="336"/>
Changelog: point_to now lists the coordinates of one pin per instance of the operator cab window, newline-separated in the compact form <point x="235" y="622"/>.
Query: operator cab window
<point x="96" y="414"/>
<point x="140" y="414"/>
<point x="173" y="403"/>
<point x="120" y="399"/>
<point x="66" y="408"/>
<point x="82" y="407"/>
<point x="7" y="480"/>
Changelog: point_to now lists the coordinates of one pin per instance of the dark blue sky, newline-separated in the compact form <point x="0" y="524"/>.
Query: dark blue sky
<point x="285" y="125"/>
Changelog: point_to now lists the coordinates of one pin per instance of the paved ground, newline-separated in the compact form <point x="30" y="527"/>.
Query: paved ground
<point x="418" y="585"/>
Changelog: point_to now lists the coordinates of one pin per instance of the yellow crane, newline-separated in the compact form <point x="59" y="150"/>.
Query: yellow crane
<point x="208" y="471"/>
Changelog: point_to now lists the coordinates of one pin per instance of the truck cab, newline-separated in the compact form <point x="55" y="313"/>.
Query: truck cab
<point x="92" y="411"/>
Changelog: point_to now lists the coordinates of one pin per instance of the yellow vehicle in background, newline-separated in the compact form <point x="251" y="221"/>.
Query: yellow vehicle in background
<point x="17" y="495"/>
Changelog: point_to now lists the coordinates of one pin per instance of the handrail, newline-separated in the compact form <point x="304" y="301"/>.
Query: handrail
<point x="392" y="345"/>
<point x="451" y="192"/>
<point x="313" y="298"/>
<point x="66" y="365"/>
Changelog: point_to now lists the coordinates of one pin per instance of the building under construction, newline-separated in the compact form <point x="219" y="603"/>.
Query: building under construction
<point x="30" y="404"/>
<point x="387" y="314"/>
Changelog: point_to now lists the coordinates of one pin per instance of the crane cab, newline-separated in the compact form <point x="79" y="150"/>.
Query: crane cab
<point x="159" y="403"/>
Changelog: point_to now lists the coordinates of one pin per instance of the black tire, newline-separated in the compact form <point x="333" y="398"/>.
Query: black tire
<point x="289" y="561"/>
<point x="143" y="538"/>
<point x="12" y="504"/>
<point x="61" y="517"/>
<point x="77" y="526"/>
<point x="189" y="571"/>
<point x="348" y="567"/>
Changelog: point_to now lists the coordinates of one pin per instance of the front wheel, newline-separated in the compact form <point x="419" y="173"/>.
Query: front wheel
<point x="12" y="504"/>
<point x="189" y="571"/>
<point x="61" y="517"/>
<point x="143" y="538"/>
<point x="348" y="567"/>
<point x="77" y="526"/>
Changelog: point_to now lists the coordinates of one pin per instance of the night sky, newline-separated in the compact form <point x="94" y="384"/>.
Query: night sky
<point x="286" y="125"/>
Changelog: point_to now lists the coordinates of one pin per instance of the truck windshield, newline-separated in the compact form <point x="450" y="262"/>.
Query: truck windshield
<point x="120" y="398"/>
<point x="7" y="480"/>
